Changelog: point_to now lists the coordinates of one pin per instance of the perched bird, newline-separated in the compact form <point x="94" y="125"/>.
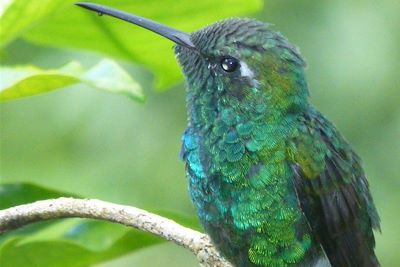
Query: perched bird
<point x="274" y="182"/>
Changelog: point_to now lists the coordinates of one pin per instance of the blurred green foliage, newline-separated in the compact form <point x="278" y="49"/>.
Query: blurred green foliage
<point x="29" y="80"/>
<point x="105" y="146"/>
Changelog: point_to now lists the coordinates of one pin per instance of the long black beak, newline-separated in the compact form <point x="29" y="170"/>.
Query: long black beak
<point x="176" y="36"/>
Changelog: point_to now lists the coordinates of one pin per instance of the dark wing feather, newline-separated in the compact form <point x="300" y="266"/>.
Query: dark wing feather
<point x="334" y="195"/>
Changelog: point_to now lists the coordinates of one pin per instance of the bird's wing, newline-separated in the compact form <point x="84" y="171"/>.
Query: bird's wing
<point x="333" y="193"/>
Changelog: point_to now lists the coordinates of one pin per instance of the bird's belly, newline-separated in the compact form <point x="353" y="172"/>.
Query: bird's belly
<point x="247" y="203"/>
<point x="214" y="205"/>
<point x="240" y="220"/>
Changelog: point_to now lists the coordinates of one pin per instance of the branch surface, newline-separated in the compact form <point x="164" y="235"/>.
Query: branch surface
<point x="195" y="241"/>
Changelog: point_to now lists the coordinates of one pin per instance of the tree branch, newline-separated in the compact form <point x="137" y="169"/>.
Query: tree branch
<point x="196" y="242"/>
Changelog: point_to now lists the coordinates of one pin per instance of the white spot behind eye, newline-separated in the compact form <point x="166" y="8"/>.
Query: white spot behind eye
<point x="245" y="71"/>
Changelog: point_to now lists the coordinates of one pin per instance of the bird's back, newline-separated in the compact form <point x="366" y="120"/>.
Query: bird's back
<point x="333" y="193"/>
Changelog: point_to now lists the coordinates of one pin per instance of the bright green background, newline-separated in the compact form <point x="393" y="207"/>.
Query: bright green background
<point x="106" y="146"/>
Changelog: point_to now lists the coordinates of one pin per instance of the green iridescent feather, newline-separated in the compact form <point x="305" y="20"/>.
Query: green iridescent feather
<point x="273" y="181"/>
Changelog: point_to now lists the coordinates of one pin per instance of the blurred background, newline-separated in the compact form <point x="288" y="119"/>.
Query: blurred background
<point x="108" y="147"/>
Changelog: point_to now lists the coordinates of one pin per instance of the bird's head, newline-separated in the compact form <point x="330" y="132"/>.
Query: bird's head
<point x="236" y="62"/>
<point x="241" y="59"/>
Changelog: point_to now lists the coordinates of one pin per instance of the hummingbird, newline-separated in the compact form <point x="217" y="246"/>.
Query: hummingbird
<point x="274" y="182"/>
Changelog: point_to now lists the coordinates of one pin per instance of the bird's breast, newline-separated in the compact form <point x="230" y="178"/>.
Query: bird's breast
<point x="240" y="181"/>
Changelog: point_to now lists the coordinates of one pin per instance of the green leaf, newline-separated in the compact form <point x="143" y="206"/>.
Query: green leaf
<point x="17" y="16"/>
<point x="22" y="193"/>
<point x="72" y="26"/>
<point x="68" y="242"/>
<point x="17" y="82"/>
<point x="109" y="76"/>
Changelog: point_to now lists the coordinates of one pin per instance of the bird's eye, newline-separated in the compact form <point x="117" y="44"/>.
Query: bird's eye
<point x="229" y="64"/>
